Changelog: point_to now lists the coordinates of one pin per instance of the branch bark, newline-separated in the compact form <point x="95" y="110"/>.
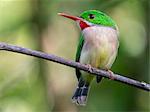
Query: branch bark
<point x="12" y="48"/>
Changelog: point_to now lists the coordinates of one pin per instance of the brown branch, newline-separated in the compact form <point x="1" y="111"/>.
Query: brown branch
<point x="94" y="71"/>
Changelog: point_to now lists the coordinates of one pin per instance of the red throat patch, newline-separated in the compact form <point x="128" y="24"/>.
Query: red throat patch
<point x="83" y="25"/>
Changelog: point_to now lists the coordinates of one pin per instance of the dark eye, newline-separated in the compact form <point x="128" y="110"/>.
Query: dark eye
<point x="91" y="16"/>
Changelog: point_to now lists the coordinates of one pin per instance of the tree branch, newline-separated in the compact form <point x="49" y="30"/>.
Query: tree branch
<point x="94" y="71"/>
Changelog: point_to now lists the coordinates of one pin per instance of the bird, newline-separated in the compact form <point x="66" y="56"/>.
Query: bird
<point x="98" y="47"/>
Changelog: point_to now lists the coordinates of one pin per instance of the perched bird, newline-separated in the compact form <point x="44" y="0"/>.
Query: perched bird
<point x="98" y="47"/>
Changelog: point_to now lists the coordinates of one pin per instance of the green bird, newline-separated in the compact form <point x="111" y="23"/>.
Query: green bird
<point x="98" y="47"/>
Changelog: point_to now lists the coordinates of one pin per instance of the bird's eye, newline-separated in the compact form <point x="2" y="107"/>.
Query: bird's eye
<point x="91" y="16"/>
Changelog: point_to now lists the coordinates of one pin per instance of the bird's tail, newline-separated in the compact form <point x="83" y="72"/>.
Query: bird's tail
<point x="81" y="93"/>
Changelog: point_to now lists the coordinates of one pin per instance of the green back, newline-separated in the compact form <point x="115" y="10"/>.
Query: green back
<point x="78" y="53"/>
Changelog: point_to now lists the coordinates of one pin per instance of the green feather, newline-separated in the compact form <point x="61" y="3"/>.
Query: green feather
<point x="78" y="53"/>
<point x="100" y="18"/>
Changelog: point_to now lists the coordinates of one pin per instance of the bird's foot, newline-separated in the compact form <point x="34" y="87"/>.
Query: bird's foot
<point x="111" y="74"/>
<point x="89" y="67"/>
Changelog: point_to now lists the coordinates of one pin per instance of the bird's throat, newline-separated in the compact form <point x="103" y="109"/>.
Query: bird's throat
<point x="83" y="25"/>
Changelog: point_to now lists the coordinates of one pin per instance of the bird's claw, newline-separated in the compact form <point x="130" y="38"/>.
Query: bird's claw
<point x="111" y="74"/>
<point x="89" y="67"/>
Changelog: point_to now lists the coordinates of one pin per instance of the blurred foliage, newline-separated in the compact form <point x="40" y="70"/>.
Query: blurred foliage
<point x="29" y="84"/>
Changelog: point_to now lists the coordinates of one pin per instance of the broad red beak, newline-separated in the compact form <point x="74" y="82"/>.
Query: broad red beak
<point x="81" y="21"/>
<point x="75" y="18"/>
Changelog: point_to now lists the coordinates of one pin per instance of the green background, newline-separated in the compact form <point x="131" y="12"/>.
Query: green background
<point x="28" y="84"/>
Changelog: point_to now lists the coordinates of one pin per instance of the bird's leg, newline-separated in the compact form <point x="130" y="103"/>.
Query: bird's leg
<point x="89" y="67"/>
<point x="111" y="74"/>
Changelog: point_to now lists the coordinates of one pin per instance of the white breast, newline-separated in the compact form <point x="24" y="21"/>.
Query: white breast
<point x="100" y="47"/>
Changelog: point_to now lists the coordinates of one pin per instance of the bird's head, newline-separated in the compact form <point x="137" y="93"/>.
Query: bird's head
<point x="90" y="18"/>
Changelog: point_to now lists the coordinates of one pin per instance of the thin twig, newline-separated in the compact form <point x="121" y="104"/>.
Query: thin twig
<point x="94" y="71"/>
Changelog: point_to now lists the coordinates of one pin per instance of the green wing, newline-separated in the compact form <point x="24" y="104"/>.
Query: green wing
<point x="78" y="53"/>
